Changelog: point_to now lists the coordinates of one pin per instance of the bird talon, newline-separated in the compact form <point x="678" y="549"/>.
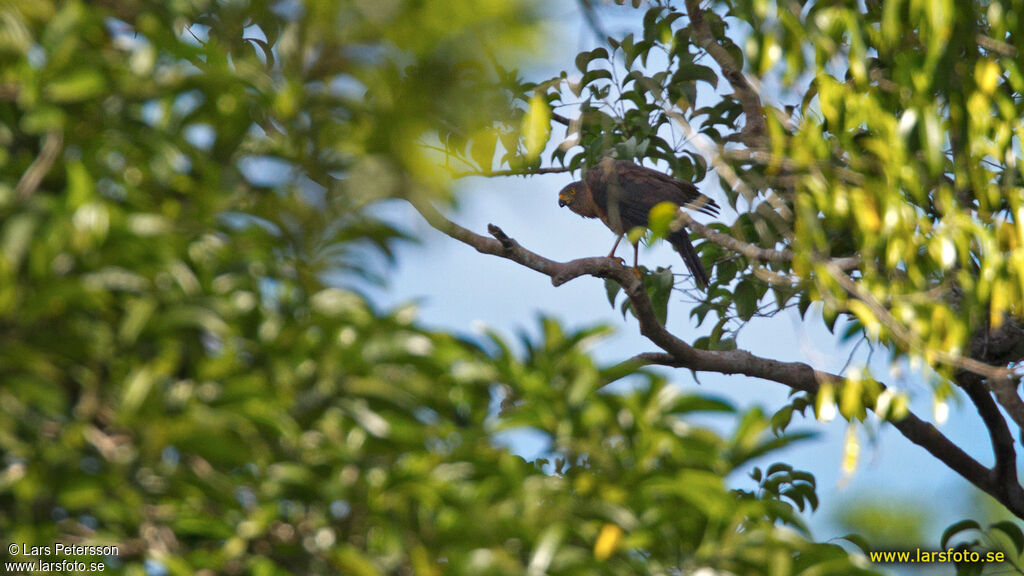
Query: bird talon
<point x="636" y="272"/>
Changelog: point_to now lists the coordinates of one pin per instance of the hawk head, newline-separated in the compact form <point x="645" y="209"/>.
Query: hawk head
<point x="578" y="198"/>
<point x="568" y="194"/>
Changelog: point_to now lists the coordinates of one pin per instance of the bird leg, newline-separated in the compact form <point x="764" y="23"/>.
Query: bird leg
<point x="636" y="258"/>
<point x="616" y="245"/>
<point x="612" y="253"/>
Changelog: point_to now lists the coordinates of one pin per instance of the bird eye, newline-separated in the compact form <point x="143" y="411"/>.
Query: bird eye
<point x="572" y="191"/>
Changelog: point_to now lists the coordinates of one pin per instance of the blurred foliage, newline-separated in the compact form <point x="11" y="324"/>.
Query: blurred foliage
<point x="886" y="521"/>
<point x="178" y="183"/>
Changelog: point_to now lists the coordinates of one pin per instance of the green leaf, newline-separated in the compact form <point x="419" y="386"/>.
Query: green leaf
<point x="16" y="238"/>
<point x="352" y="561"/>
<point x="954" y="529"/>
<point x="611" y="289"/>
<point x="592" y="75"/>
<point x="660" y="219"/>
<point x="76" y="86"/>
<point x="781" y="419"/>
<point x="695" y="403"/>
<point x="858" y="541"/>
<point x="584" y="59"/>
<point x="695" y="73"/>
<point x="803" y="304"/>
<point x="82" y="495"/>
<point x="659" y="288"/>
<point x="778" y="467"/>
<point x="482" y="149"/>
<point x="636" y="234"/>
<point x="746" y="299"/>
<point x="724" y="344"/>
<point x="536" y="126"/>
<point x="1013" y="532"/>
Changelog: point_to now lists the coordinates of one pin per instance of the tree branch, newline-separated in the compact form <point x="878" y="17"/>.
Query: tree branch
<point x="751" y="251"/>
<point x="562" y="119"/>
<point x="912" y="341"/>
<point x="505" y="247"/>
<point x="40" y="167"/>
<point x="590" y="17"/>
<point x="1005" y="469"/>
<point x="1000" y="347"/>
<point x="999" y="482"/>
<point x="1006" y="394"/>
<point x="677" y="353"/>
<point x="753" y="133"/>
<point x="527" y="172"/>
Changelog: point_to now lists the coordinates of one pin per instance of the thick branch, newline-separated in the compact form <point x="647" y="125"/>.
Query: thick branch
<point x="1005" y="468"/>
<point x="505" y="247"/>
<point x="1006" y="394"/>
<point x="678" y="353"/>
<point x="753" y="132"/>
<point x="800" y="376"/>
<point x="996" y="46"/>
<point x="1000" y="347"/>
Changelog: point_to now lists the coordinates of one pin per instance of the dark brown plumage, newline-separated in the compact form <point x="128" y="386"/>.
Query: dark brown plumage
<point x="622" y="194"/>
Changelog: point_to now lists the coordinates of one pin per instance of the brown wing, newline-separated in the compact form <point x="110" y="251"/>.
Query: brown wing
<point x="628" y="191"/>
<point x="633" y="190"/>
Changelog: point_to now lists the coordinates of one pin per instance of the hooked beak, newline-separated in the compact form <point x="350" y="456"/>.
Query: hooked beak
<point x="562" y="203"/>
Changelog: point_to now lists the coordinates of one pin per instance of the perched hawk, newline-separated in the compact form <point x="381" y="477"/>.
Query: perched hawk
<point x="622" y="194"/>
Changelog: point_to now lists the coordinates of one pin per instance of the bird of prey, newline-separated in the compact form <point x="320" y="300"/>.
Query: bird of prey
<point x="622" y="194"/>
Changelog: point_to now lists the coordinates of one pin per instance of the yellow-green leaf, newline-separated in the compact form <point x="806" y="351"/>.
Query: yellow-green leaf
<point x="660" y="219"/>
<point x="77" y="86"/>
<point x="537" y="126"/>
<point x="825" y="403"/>
<point x="608" y="541"/>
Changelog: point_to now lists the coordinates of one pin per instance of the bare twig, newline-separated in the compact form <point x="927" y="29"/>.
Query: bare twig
<point x="526" y="172"/>
<point x="997" y="46"/>
<point x="562" y="119"/>
<point x="40" y="167"/>
<point x="505" y="247"/>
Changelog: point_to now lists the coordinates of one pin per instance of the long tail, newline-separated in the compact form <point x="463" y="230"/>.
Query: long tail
<point x="680" y="240"/>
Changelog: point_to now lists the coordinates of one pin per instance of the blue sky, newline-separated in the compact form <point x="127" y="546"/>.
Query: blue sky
<point x="459" y="289"/>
